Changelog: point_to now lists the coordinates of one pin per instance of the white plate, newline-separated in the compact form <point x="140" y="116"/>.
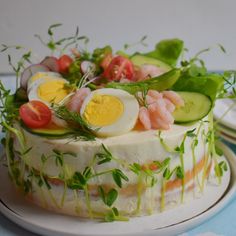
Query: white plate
<point x="170" y="222"/>
<point x="221" y="106"/>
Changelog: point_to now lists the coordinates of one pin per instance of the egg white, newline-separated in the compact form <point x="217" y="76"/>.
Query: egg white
<point x="41" y="75"/>
<point x="33" y="91"/>
<point x="127" y="120"/>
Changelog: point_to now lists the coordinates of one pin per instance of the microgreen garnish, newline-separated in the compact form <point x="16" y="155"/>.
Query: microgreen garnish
<point x="190" y="133"/>
<point x="8" y="107"/>
<point x="61" y="44"/>
<point x="109" y="197"/>
<point x="59" y="156"/>
<point x="5" y="47"/>
<point x="103" y="157"/>
<point x="79" y="180"/>
<point x="220" y="168"/>
<point x="118" y="176"/>
<point x="140" y="42"/>
<point x="20" y="65"/>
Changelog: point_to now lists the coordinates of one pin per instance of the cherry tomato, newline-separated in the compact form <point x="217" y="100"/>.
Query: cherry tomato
<point x="64" y="63"/>
<point x="35" y="114"/>
<point x="119" y="67"/>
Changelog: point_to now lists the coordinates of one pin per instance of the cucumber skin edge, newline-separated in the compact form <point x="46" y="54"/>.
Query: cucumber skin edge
<point x="195" y="120"/>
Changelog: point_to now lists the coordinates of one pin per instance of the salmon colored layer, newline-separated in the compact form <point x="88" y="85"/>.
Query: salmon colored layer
<point x="131" y="189"/>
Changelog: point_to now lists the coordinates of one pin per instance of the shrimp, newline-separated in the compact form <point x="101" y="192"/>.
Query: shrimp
<point x="169" y="105"/>
<point x="154" y="94"/>
<point x="174" y="98"/>
<point x="76" y="101"/>
<point x="150" y="100"/>
<point x="158" y="123"/>
<point x="159" y="110"/>
<point x="144" y="118"/>
<point x="147" y="71"/>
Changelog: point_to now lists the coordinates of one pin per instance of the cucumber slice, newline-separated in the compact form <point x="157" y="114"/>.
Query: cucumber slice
<point x="196" y="107"/>
<point x="49" y="133"/>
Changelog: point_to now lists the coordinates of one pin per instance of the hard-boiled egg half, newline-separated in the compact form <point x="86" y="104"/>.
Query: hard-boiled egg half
<point x="110" y="112"/>
<point x="48" y="87"/>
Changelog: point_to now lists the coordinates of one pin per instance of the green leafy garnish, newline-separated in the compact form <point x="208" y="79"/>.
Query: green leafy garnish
<point x="168" y="51"/>
<point x="109" y="197"/>
<point x="220" y="168"/>
<point x="210" y="84"/>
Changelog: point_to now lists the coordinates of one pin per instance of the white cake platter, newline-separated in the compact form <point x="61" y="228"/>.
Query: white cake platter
<point x="171" y="222"/>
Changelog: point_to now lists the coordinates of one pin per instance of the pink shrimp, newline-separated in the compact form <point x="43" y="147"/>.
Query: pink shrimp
<point x="158" y="123"/>
<point x="159" y="110"/>
<point x="150" y="100"/>
<point x="144" y="118"/>
<point x="147" y="71"/>
<point x="76" y="101"/>
<point x="169" y="105"/>
<point x="174" y="98"/>
<point x="154" y="94"/>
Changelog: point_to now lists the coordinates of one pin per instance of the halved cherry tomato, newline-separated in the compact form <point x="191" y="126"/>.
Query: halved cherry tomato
<point x="64" y="63"/>
<point x="35" y="114"/>
<point x="119" y="67"/>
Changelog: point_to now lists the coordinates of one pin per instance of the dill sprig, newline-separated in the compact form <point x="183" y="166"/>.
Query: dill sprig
<point x="141" y="97"/>
<point x="80" y="127"/>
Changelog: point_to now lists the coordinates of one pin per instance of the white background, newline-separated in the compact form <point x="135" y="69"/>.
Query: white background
<point x="200" y="23"/>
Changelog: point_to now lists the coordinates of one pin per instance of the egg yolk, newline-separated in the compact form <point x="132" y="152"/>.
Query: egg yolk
<point x="103" y="110"/>
<point x="52" y="91"/>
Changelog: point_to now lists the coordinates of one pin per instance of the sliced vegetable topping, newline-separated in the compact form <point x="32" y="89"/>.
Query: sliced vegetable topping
<point x="30" y="71"/>
<point x="196" y="106"/>
<point x="51" y="63"/>
<point x="64" y="63"/>
<point x="35" y="114"/>
<point x="119" y="68"/>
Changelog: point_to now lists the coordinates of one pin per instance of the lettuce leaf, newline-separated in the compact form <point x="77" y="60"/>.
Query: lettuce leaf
<point x="210" y="84"/>
<point x="168" y="51"/>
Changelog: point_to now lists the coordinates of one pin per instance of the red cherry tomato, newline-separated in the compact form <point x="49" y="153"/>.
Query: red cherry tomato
<point x="64" y="63"/>
<point x="119" y="67"/>
<point x="35" y="114"/>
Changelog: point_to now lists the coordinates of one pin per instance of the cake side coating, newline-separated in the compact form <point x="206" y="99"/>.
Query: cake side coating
<point x="137" y="194"/>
